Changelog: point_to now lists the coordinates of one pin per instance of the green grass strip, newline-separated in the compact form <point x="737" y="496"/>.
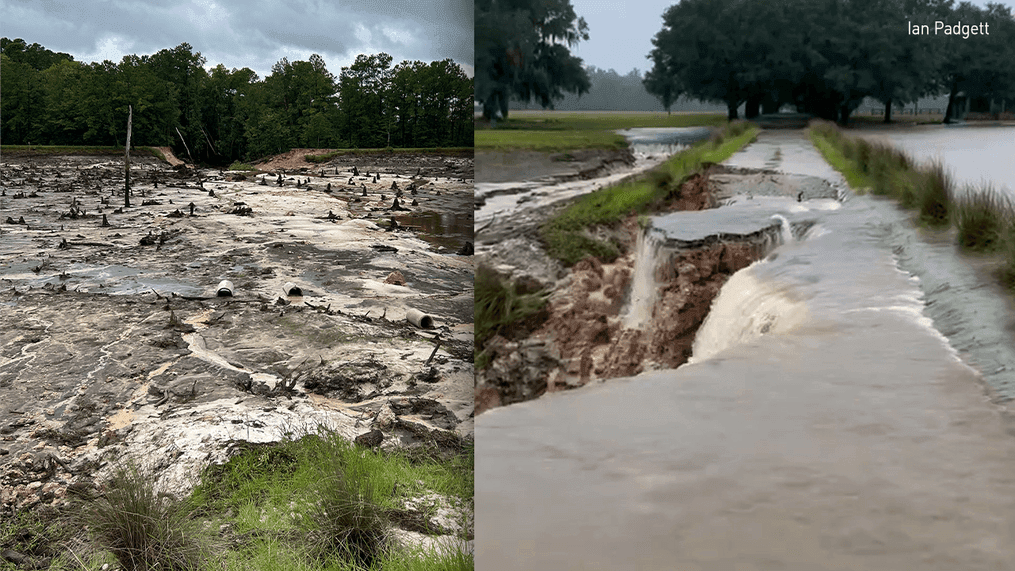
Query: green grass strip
<point x="566" y="235"/>
<point x="548" y="141"/>
<point x="856" y="179"/>
<point x="443" y="151"/>
<point x="89" y="150"/>
<point x="550" y="131"/>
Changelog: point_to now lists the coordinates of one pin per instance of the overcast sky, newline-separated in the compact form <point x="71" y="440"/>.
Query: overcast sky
<point x="621" y="32"/>
<point x="248" y="33"/>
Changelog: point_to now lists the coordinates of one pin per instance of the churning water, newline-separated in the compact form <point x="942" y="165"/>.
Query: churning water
<point x="825" y="421"/>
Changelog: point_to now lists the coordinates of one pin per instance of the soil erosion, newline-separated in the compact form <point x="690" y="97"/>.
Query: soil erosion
<point x="227" y="306"/>
<point x="639" y="312"/>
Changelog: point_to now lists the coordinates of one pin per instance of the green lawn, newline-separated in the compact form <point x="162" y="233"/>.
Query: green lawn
<point x="560" y="131"/>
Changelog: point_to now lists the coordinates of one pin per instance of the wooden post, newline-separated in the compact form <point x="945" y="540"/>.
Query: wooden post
<point x="126" y="161"/>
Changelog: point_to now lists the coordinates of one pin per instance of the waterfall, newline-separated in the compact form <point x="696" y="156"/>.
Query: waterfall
<point x="745" y="309"/>
<point x="787" y="230"/>
<point x="643" y="281"/>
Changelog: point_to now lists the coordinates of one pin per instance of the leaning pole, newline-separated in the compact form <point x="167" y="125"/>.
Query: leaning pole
<point x="126" y="161"/>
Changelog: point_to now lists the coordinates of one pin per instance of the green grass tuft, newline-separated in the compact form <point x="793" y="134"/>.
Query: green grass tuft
<point x="981" y="217"/>
<point x="143" y="527"/>
<point x="499" y="305"/>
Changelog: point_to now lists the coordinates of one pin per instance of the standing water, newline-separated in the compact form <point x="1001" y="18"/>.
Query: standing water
<point x="824" y="423"/>
<point x="974" y="154"/>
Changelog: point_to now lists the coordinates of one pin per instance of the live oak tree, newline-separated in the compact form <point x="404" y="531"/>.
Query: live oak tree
<point x="523" y="53"/>
<point x="826" y="56"/>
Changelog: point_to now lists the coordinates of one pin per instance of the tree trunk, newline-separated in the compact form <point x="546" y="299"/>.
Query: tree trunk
<point x="950" y="111"/>
<point x="888" y="111"/>
<point x="844" y="114"/>
<point x="751" y="108"/>
<point x="731" y="108"/>
<point x="126" y="159"/>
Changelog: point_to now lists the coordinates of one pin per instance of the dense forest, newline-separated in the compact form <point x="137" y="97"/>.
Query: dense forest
<point x="225" y="115"/>
<point x="826" y="56"/>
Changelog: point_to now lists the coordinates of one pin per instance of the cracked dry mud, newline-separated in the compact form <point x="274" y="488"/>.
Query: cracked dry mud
<point x="113" y="343"/>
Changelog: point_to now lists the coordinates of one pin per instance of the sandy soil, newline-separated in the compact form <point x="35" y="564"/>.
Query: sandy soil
<point x="114" y="344"/>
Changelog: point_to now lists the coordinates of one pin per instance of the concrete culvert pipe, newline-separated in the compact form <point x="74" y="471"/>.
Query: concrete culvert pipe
<point x="292" y="289"/>
<point x="419" y="319"/>
<point x="225" y="289"/>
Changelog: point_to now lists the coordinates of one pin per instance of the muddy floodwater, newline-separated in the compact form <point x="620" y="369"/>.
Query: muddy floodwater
<point x="116" y="340"/>
<point x="975" y="154"/>
<point x="842" y="408"/>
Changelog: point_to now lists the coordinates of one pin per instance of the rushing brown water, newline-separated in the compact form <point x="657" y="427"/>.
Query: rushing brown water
<point x="825" y="421"/>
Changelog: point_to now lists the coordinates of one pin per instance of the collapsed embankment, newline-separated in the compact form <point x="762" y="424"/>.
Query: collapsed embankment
<point x="642" y="310"/>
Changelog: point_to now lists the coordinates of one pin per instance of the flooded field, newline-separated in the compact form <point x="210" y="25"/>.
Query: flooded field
<point x="975" y="154"/>
<point x="116" y="340"/>
<point x="842" y="407"/>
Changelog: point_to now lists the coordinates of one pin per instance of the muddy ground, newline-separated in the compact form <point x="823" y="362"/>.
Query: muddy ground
<point x="114" y="343"/>
<point x="585" y="333"/>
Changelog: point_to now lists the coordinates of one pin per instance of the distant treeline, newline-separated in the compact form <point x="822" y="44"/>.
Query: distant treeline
<point x="226" y="115"/>
<point x="826" y="56"/>
<point x="610" y="91"/>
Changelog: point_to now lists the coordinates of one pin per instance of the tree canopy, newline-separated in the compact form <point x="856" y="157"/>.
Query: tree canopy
<point x="826" y="56"/>
<point x="523" y="52"/>
<point x="226" y="115"/>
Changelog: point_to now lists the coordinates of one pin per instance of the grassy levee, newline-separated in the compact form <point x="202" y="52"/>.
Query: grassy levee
<point x="567" y="235"/>
<point x="454" y="151"/>
<point x="312" y="502"/>
<point x="554" y="131"/>
<point x="87" y="150"/>
<point x="983" y="216"/>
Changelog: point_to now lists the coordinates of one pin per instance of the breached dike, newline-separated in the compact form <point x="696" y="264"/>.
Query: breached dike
<point x="745" y="309"/>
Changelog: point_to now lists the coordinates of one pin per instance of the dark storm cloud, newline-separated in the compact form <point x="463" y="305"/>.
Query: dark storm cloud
<point x="241" y="33"/>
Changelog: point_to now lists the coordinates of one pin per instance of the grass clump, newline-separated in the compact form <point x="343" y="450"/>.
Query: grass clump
<point x="238" y="166"/>
<point x="887" y="171"/>
<point x="347" y="520"/>
<point x="500" y="305"/>
<point x="982" y="217"/>
<point x="144" y="528"/>
<point x="567" y="235"/>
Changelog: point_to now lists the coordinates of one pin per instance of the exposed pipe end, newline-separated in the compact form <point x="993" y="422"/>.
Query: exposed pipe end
<point x="419" y="319"/>
<point x="225" y="289"/>
<point x="292" y="289"/>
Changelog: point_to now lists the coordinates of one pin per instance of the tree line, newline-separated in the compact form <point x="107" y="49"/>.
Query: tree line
<point x="826" y="56"/>
<point x="608" y="91"/>
<point x="225" y="115"/>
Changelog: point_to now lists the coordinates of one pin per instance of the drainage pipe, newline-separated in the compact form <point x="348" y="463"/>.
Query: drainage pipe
<point x="292" y="289"/>
<point x="419" y="319"/>
<point x="225" y="289"/>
